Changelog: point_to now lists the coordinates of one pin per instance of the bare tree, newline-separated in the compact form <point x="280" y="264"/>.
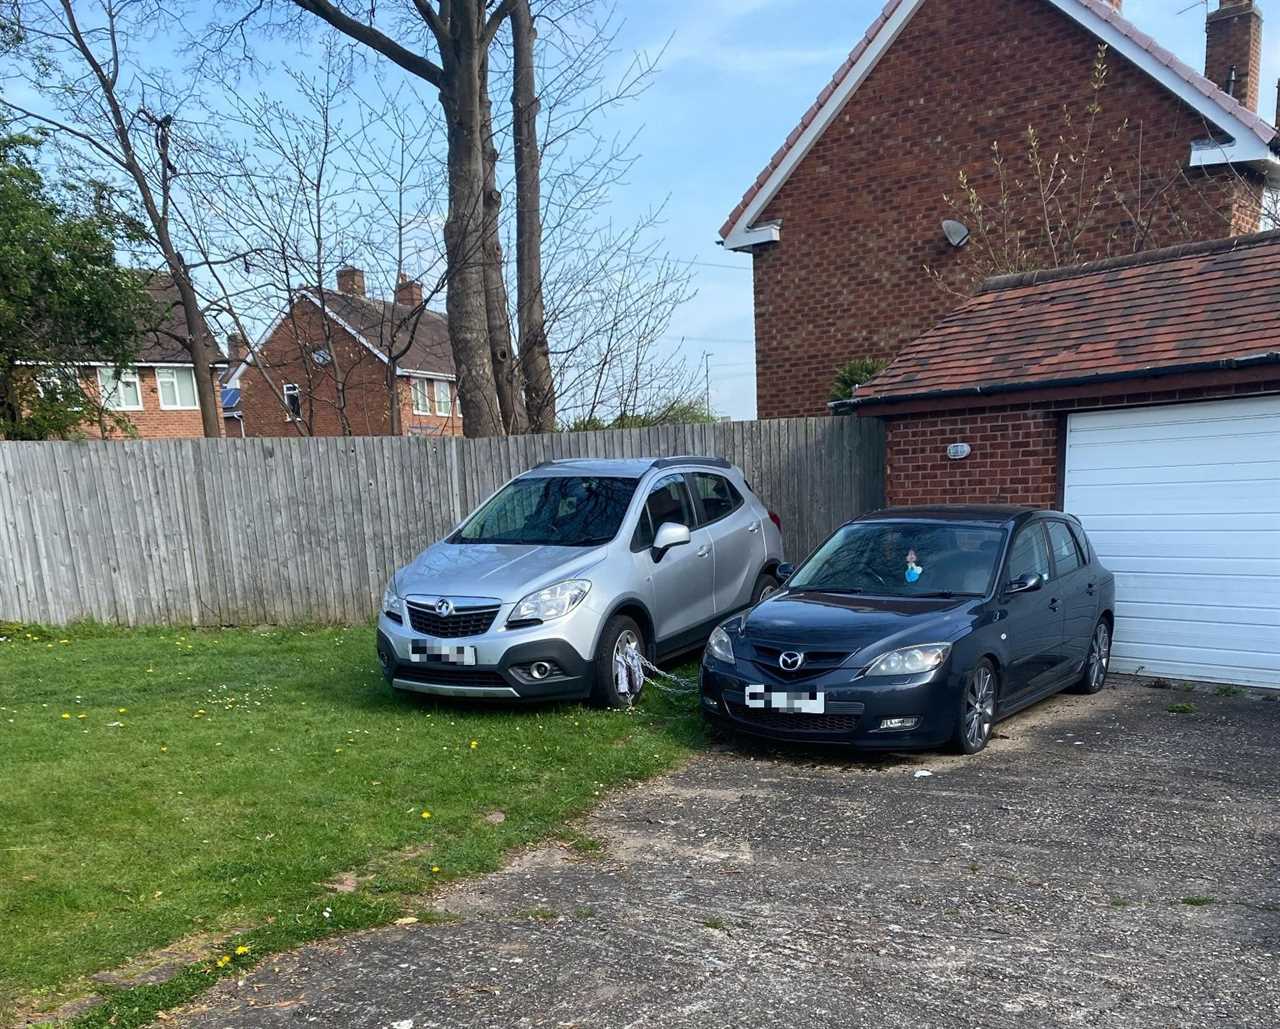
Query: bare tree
<point x="1089" y="191"/>
<point x="120" y="117"/>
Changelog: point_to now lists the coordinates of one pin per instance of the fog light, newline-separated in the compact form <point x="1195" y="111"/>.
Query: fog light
<point x="899" y="724"/>
<point x="539" y="670"/>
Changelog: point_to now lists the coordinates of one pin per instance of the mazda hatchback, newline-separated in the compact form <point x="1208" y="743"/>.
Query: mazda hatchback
<point x="917" y="627"/>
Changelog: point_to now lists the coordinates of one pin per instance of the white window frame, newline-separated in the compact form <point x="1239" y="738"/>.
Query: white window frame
<point x="109" y="387"/>
<point x="444" y="398"/>
<point x="171" y="375"/>
<point x="418" y="391"/>
<point x="291" y="389"/>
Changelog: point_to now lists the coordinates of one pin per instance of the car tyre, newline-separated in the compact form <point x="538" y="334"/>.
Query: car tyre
<point x="767" y="583"/>
<point x="1094" y="675"/>
<point x="977" y="715"/>
<point x="620" y="632"/>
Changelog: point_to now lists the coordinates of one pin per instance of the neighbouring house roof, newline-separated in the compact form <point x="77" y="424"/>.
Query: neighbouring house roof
<point x="162" y="336"/>
<point x="422" y="335"/>
<point x="419" y="335"/>
<point x="1252" y="140"/>
<point x="1194" y="307"/>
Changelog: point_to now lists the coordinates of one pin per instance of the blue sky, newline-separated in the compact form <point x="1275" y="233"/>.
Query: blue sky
<point x="736" y="76"/>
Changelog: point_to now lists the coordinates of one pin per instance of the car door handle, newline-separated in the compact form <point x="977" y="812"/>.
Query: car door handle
<point x="704" y="551"/>
<point x="753" y="527"/>
<point x="1053" y="604"/>
<point x="1089" y="588"/>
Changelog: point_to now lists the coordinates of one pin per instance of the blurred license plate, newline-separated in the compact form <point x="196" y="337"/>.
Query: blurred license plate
<point x="429" y="652"/>
<point x="809" y="702"/>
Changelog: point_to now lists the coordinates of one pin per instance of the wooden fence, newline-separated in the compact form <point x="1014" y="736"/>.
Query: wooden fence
<point x="280" y="531"/>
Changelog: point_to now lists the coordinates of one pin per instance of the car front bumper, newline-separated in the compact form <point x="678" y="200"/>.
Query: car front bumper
<point x="503" y="659"/>
<point x="854" y="709"/>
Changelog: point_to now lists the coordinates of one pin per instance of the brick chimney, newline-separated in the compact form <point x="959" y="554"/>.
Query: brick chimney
<point x="1233" y="50"/>
<point x="408" y="291"/>
<point x="351" y="281"/>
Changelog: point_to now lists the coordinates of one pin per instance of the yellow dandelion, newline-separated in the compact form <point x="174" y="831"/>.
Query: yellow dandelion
<point x="224" y="960"/>
<point x="121" y="710"/>
<point x="426" y="813"/>
<point x="164" y="750"/>
<point x="435" y="868"/>
<point x="474" y="744"/>
<point x="66" y="714"/>
<point x="242" y="950"/>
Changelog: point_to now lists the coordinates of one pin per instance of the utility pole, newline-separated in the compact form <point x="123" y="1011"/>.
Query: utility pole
<point x="706" y="378"/>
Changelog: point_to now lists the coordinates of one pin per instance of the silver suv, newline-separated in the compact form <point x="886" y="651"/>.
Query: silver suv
<point x="570" y="571"/>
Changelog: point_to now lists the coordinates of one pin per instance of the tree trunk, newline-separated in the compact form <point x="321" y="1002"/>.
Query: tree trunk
<point x="464" y="227"/>
<point x="506" y="372"/>
<point x="393" y="391"/>
<point x="200" y="341"/>
<point x="535" y="355"/>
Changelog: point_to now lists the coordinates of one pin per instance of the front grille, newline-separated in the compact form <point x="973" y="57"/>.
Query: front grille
<point x="464" y="621"/>
<point x="792" y="722"/>
<point x="816" y="662"/>
<point x="445" y="675"/>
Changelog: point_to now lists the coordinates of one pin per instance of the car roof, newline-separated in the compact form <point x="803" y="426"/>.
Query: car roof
<point x="994" y="514"/>
<point x="622" y="467"/>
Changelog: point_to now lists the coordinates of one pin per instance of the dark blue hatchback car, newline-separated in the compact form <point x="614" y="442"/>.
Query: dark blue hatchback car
<point x="917" y="627"/>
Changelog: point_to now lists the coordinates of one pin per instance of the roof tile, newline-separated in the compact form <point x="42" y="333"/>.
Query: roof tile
<point x="1196" y="303"/>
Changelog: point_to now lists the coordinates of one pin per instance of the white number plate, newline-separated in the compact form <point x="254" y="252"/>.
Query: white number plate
<point x="429" y="652"/>
<point x="807" y="703"/>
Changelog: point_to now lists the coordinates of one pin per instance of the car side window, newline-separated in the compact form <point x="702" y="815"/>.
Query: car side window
<point x="1082" y="541"/>
<point x="1066" y="556"/>
<point x="716" y="494"/>
<point x="667" y="502"/>
<point x="1030" y="554"/>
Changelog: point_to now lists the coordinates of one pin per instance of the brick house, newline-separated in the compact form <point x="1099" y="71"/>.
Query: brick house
<point x="845" y="219"/>
<point x="289" y="383"/>
<point x="156" y="395"/>
<point x="1140" y="393"/>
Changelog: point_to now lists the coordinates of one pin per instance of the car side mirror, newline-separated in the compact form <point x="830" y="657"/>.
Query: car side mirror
<point x="670" y="534"/>
<point x="785" y="571"/>
<point x="1024" y="583"/>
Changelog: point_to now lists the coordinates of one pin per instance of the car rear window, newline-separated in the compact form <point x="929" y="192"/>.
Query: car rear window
<point x="716" y="494"/>
<point x="1066" y="556"/>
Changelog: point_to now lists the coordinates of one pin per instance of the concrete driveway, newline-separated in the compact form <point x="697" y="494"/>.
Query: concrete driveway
<point x="1104" y="863"/>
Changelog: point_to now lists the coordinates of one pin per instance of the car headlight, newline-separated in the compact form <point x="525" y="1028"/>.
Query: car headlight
<point x="911" y="660"/>
<point x="391" y="602"/>
<point x="720" y="646"/>
<point x="552" y="602"/>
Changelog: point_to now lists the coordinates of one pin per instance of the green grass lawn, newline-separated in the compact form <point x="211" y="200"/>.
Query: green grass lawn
<point x="158" y="786"/>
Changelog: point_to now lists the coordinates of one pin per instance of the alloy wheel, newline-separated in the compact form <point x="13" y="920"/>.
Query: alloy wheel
<point x="979" y="706"/>
<point x="1099" y="656"/>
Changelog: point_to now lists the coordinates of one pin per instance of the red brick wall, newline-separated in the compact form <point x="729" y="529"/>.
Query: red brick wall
<point x="151" y="422"/>
<point x="1016" y="457"/>
<point x="861" y="212"/>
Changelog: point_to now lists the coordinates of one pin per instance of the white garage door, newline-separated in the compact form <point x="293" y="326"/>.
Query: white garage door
<point x="1183" y="504"/>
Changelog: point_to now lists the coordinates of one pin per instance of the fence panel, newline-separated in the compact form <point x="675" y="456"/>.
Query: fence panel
<point x="288" y="531"/>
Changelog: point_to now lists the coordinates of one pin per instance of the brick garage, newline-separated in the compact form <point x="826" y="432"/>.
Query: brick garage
<point x="1003" y="371"/>
<point x="845" y="220"/>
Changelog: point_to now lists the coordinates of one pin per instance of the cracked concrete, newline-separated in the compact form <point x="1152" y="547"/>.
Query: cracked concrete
<point x="1041" y="883"/>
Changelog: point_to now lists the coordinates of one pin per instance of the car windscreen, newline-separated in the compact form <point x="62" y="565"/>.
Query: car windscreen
<point x="904" y="559"/>
<point x="552" y="510"/>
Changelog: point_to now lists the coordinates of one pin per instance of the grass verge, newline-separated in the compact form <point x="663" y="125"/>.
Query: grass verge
<point x="165" y="785"/>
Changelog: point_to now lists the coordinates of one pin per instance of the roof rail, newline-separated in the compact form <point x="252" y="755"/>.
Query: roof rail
<point x="667" y="462"/>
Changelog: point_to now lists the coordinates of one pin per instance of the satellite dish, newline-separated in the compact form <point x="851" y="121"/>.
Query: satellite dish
<point x="957" y="234"/>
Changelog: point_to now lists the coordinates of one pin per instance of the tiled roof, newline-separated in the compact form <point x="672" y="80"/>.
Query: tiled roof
<point x="1199" y="305"/>
<point x="166" y="324"/>
<point x="1266" y="133"/>
<point x="420" y="334"/>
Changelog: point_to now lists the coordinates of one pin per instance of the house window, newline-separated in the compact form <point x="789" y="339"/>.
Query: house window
<point x="293" y="401"/>
<point x="120" y="392"/>
<point x="444" y="398"/>
<point x="177" y="389"/>
<point x="421" y="402"/>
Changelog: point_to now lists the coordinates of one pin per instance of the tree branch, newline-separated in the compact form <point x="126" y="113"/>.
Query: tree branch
<point x="416" y="64"/>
